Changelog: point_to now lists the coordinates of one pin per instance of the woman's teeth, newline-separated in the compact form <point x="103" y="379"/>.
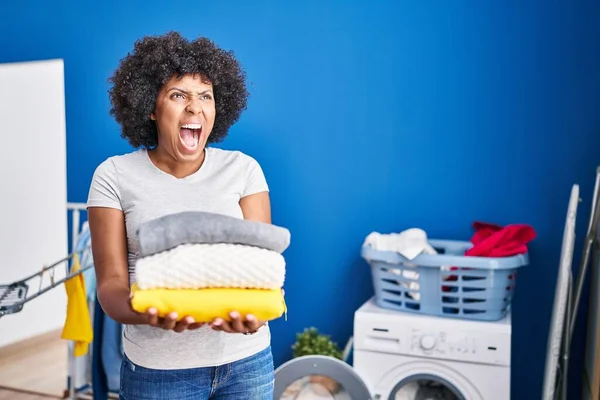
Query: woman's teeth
<point x="192" y="126"/>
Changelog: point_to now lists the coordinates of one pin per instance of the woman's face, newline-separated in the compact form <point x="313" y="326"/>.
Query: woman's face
<point x="184" y="115"/>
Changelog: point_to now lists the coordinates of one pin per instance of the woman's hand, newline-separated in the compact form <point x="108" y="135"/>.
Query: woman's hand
<point x="170" y="321"/>
<point x="237" y="324"/>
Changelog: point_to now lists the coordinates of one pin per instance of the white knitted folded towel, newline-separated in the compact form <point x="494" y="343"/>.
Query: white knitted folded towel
<point x="197" y="266"/>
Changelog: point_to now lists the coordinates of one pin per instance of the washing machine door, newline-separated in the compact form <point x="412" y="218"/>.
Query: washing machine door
<point x="425" y="381"/>
<point x="318" y="378"/>
<point x="425" y="387"/>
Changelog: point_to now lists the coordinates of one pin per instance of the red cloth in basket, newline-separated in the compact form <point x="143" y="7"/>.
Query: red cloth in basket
<point x="491" y="240"/>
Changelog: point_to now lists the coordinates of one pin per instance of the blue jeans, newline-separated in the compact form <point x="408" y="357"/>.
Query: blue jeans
<point x="249" y="378"/>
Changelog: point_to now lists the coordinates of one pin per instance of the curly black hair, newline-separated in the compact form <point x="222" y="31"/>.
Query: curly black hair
<point x="155" y="60"/>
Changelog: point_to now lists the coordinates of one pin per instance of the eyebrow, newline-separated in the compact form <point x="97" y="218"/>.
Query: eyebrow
<point x="187" y="92"/>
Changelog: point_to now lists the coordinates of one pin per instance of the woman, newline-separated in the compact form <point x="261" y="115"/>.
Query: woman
<point x="172" y="97"/>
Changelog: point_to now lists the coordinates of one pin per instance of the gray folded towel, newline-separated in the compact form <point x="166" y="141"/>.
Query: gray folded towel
<point x="194" y="227"/>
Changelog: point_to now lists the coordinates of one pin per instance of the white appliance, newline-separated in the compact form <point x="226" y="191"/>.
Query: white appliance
<point x="395" y="353"/>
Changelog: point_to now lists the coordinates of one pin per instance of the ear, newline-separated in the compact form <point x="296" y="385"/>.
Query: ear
<point x="152" y="116"/>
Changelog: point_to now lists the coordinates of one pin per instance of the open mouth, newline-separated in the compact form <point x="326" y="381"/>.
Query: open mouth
<point x="190" y="135"/>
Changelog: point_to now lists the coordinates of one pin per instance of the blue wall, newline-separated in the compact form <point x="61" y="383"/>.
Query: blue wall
<point x="379" y="117"/>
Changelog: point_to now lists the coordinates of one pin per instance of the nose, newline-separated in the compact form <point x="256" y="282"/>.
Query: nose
<point x="194" y="106"/>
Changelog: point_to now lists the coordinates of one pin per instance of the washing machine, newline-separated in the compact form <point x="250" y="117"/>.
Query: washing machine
<point x="405" y="356"/>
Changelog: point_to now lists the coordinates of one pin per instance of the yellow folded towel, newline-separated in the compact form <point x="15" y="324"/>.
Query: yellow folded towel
<point x="204" y="305"/>
<point x="78" y="324"/>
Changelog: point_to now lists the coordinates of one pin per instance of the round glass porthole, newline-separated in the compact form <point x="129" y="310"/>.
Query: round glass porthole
<point x="425" y="387"/>
<point x="318" y="378"/>
<point x="315" y="387"/>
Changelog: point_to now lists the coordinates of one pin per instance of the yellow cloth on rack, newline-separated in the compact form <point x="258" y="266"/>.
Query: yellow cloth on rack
<point x="78" y="324"/>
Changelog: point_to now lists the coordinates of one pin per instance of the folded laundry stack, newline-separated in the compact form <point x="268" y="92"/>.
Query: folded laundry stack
<point x="206" y="265"/>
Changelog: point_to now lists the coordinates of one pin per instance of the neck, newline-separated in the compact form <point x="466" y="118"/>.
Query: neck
<point x="167" y="163"/>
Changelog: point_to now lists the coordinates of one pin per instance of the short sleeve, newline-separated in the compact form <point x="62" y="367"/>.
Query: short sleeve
<point x="255" y="178"/>
<point x="104" y="189"/>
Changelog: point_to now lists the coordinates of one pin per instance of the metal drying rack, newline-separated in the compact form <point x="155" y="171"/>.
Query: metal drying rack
<point x="14" y="296"/>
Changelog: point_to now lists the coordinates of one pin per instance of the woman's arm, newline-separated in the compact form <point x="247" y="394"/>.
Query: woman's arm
<point x="109" y="249"/>
<point x="257" y="207"/>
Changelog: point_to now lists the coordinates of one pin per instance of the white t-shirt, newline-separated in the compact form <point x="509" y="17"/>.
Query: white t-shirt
<point x="133" y="184"/>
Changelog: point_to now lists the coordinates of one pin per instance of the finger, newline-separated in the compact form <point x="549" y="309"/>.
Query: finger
<point x="152" y="316"/>
<point x="170" y="321"/>
<point x="183" y="324"/>
<point x="252" y="323"/>
<point x="217" y="324"/>
<point x="195" y="325"/>
<point x="228" y="327"/>
<point x="236" y="322"/>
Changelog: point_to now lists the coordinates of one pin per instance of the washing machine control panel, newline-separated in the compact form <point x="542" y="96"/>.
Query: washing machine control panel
<point x="439" y="342"/>
<point x="384" y="331"/>
<point x="470" y="346"/>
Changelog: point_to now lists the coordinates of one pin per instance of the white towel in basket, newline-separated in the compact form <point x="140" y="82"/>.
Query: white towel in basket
<point x="197" y="266"/>
<point x="409" y="243"/>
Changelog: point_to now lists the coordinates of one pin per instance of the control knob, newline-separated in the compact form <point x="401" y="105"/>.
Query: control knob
<point x="427" y="342"/>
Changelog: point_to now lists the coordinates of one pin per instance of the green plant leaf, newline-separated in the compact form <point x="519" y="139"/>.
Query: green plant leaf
<point x="311" y="342"/>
